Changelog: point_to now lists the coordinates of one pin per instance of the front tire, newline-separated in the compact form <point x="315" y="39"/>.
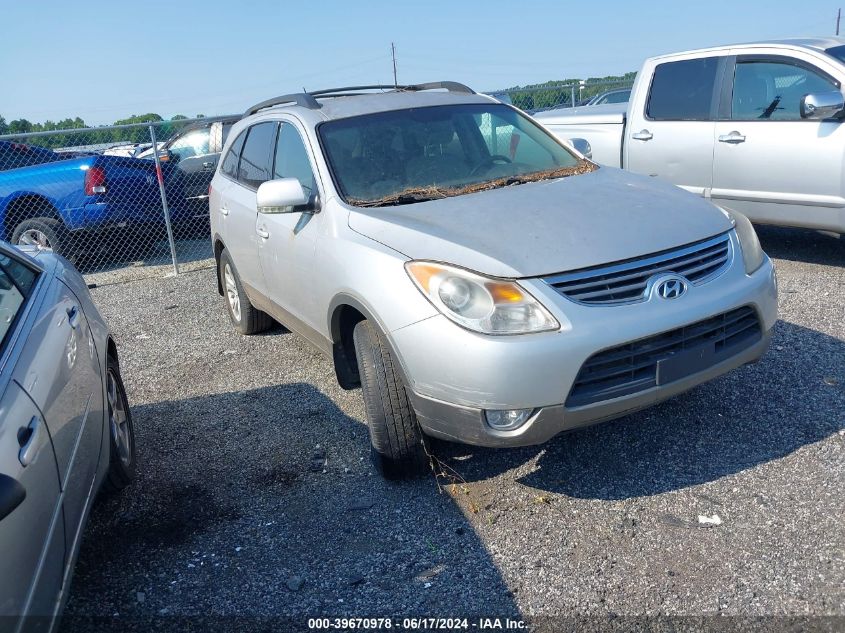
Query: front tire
<point x="246" y="318"/>
<point x="122" y="459"/>
<point x="398" y="444"/>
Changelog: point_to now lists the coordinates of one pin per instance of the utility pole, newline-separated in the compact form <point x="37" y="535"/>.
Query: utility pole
<point x="393" y="53"/>
<point x="838" y="18"/>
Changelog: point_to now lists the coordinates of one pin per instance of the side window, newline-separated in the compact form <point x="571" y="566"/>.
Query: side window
<point x="292" y="159"/>
<point x="257" y="155"/>
<point x="191" y="144"/>
<point x="682" y="91"/>
<point x="16" y="283"/>
<point x="229" y="166"/>
<point x="773" y="90"/>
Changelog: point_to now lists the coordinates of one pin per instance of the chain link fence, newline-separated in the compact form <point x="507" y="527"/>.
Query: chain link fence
<point x="120" y="202"/>
<point x="567" y="94"/>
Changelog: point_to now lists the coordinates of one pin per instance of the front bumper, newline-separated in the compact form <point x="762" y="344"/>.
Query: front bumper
<point x="454" y="374"/>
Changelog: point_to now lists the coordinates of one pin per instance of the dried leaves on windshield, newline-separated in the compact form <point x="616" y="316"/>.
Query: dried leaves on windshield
<point x="420" y="194"/>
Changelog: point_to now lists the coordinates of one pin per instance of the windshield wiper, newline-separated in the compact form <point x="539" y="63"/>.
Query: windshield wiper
<point x="424" y="194"/>
<point x="408" y="196"/>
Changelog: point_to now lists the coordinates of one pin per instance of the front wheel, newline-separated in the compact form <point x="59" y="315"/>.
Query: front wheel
<point x="398" y="444"/>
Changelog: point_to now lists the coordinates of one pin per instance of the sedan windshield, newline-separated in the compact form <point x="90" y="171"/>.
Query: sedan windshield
<point x="419" y="154"/>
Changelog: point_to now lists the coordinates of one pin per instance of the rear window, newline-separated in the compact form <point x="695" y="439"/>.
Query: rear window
<point x="683" y="91"/>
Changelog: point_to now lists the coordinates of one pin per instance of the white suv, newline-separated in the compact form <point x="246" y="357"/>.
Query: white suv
<point x="481" y="281"/>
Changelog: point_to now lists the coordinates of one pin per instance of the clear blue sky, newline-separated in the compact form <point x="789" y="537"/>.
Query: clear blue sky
<point x="104" y="60"/>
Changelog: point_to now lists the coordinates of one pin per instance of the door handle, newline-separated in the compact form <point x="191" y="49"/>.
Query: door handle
<point x="734" y="137"/>
<point x="224" y="211"/>
<point x="29" y="439"/>
<point x="262" y="232"/>
<point x="12" y="494"/>
<point x="73" y="316"/>
<point x="208" y="166"/>
<point x="642" y="135"/>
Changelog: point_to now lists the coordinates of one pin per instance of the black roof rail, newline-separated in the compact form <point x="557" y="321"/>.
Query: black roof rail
<point x="309" y="99"/>
<point x="451" y="86"/>
<point x="303" y="99"/>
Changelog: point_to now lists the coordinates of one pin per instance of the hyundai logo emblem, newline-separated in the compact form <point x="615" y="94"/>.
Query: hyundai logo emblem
<point x="671" y="289"/>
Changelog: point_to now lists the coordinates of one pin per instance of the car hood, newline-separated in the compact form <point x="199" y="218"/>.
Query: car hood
<point x="548" y="226"/>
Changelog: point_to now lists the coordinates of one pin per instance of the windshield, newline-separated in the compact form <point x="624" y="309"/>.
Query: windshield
<point x="419" y="154"/>
<point x="838" y="52"/>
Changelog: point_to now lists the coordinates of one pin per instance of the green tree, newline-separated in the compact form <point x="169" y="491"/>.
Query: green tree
<point x="20" y="126"/>
<point x="4" y="127"/>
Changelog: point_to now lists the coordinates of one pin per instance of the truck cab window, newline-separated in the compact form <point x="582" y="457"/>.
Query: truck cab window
<point x="683" y="91"/>
<point x="773" y="90"/>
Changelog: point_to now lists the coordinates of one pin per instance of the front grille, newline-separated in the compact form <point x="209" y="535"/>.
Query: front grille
<point x="664" y="358"/>
<point x="626" y="282"/>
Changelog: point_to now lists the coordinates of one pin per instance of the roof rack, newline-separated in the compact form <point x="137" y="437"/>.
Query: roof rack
<point x="309" y="99"/>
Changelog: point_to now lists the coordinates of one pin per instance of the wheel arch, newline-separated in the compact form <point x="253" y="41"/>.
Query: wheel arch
<point x="345" y="312"/>
<point x="26" y="206"/>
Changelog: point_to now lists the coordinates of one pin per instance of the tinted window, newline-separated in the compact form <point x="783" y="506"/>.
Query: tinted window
<point x="16" y="283"/>
<point x="230" y="163"/>
<point x="683" y="91"/>
<point x="773" y="90"/>
<point x="292" y="159"/>
<point x="257" y="155"/>
<point x="838" y="52"/>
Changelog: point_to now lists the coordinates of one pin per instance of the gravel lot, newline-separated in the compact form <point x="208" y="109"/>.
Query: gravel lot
<point x="256" y="496"/>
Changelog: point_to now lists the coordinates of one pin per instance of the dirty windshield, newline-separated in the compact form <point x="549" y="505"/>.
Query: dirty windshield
<point x="419" y="154"/>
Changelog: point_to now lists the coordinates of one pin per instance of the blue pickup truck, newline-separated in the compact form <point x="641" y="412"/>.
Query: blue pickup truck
<point x="58" y="200"/>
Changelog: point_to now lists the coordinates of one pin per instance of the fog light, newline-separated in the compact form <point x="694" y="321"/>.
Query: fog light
<point x="507" y="419"/>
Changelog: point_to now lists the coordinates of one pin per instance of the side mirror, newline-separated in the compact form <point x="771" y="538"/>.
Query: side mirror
<point x="582" y="146"/>
<point x="283" y="195"/>
<point x="822" y="105"/>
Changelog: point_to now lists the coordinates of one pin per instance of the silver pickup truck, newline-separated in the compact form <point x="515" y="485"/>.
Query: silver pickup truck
<point x="756" y="128"/>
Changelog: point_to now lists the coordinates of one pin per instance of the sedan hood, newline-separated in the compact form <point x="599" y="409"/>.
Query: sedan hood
<point x="548" y="226"/>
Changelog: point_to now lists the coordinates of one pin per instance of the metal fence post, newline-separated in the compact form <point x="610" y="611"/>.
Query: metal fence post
<point x="160" y="177"/>
<point x="572" y="103"/>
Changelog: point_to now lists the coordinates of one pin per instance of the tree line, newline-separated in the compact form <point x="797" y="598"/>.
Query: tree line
<point x="95" y="136"/>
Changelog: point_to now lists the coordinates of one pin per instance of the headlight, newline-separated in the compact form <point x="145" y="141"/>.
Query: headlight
<point x="481" y="304"/>
<point x="752" y="253"/>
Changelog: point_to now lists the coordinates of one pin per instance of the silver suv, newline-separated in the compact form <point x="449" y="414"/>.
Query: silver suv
<point x="479" y="280"/>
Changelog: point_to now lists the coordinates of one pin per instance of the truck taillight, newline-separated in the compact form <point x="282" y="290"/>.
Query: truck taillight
<point x="95" y="181"/>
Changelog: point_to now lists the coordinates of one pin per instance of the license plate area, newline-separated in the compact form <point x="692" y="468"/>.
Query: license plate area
<point x="685" y="363"/>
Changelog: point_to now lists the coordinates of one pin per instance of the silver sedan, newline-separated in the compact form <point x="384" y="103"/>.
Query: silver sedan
<point x="65" y="428"/>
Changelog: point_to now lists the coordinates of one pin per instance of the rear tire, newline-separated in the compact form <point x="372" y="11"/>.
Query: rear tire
<point x="45" y="233"/>
<point x="122" y="459"/>
<point x="398" y="444"/>
<point x="244" y="316"/>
